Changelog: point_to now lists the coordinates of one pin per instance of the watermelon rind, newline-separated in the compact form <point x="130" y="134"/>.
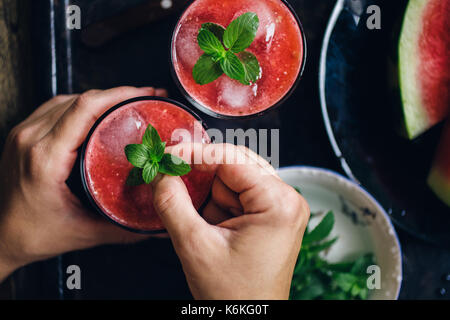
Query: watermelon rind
<point x="439" y="185"/>
<point x="415" y="116"/>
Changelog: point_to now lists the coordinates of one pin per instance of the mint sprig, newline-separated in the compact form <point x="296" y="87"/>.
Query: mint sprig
<point x="149" y="158"/>
<point x="216" y="29"/>
<point x="317" y="279"/>
<point x="224" y="51"/>
<point x="206" y="70"/>
<point x="241" y="32"/>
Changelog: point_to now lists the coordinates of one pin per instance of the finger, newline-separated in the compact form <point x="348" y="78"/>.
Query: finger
<point x="258" y="188"/>
<point x="96" y="230"/>
<point x="39" y="123"/>
<point x="214" y="214"/>
<point x="47" y="121"/>
<point x="51" y="104"/>
<point x="259" y="160"/>
<point x="107" y="233"/>
<point x="235" y="166"/>
<point x="161" y="93"/>
<point x="174" y="206"/>
<point x="72" y="128"/>
<point x="226" y="198"/>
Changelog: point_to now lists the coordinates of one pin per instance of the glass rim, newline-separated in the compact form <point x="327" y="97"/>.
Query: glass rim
<point x="217" y="115"/>
<point x="82" y="165"/>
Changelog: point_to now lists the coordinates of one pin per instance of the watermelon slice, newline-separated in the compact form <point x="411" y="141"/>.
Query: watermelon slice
<point x="424" y="62"/>
<point x="439" y="179"/>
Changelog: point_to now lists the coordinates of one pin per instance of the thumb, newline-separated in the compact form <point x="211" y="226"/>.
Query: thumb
<point x="174" y="206"/>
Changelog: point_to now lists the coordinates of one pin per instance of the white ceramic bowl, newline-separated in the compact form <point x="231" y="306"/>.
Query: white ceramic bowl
<point x="361" y="223"/>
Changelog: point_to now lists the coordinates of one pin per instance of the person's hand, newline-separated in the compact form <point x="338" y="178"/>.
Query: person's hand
<point x="247" y="242"/>
<point x="39" y="216"/>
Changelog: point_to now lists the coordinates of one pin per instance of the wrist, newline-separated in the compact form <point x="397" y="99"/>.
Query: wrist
<point x="7" y="264"/>
<point x="9" y="261"/>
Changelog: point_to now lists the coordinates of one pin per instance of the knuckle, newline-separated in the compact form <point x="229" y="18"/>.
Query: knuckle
<point x="12" y="136"/>
<point x="59" y="99"/>
<point x="123" y="90"/>
<point x="85" y="98"/>
<point x="84" y="101"/>
<point x="296" y="209"/>
<point x="19" y="136"/>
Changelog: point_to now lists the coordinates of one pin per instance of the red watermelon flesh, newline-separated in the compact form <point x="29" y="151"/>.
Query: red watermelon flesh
<point x="439" y="179"/>
<point x="424" y="61"/>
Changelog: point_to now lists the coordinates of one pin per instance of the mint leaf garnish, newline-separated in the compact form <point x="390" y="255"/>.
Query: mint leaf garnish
<point x="157" y="152"/>
<point x="135" y="177"/>
<point x="251" y="66"/>
<point x="206" y="70"/>
<point x="236" y="63"/>
<point x="151" y="137"/>
<point x="241" y="32"/>
<point x="232" y="66"/>
<point x="216" y="29"/>
<point x="150" y="171"/>
<point x="137" y="154"/>
<point x="209" y="43"/>
<point x="173" y="166"/>
<point x="149" y="158"/>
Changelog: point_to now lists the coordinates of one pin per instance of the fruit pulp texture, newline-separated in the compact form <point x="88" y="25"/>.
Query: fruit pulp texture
<point x="424" y="64"/>
<point x="434" y="51"/>
<point x="107" y="168"/>
<point x="278" y="46"/>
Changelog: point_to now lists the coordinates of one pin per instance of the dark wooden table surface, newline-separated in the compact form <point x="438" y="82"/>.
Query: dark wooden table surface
<point x="140" y="57"/>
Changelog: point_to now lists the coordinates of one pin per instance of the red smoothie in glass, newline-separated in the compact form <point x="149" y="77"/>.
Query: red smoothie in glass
<point x="107" y="168"/>
<point x="278" y="46"/>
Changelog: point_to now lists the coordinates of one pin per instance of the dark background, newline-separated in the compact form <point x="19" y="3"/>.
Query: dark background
<point x="134" y="50"/>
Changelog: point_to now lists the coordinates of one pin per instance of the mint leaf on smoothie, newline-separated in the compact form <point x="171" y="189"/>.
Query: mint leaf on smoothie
<point x="216" y="29"/>
<point x="206" y="70"/>
<point x="149" y="159"/>
<point x="150" y="171"/>
<point x="173" y="166"/>
<point x="151" y="137"/>
<point x="241" y="32"/>
<point x="209" y="43"/>
<point x="251" y="66"/>
<point x="157" y="152"/>
<point x="135" y="177"/>
<point x="233" y="67"/>
<point x="137" y="154"/>
<point x="236" y="63"/>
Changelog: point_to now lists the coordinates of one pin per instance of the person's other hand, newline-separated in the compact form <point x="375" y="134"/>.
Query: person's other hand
<point x="39" y="216"/>
<point x="247" y="242"/>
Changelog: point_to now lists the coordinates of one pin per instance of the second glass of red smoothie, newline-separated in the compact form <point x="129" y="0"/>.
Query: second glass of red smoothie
<point x="105" y="168"/>
<point x="279" y="46"/>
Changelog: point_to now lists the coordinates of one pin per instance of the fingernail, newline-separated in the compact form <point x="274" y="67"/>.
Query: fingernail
<point x="150" y="90"/>
<point x="161" y="92"/>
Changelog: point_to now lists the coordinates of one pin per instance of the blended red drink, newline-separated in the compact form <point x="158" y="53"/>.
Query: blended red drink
<point x="278" y="46"/>
<point x="106" y="167"/>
